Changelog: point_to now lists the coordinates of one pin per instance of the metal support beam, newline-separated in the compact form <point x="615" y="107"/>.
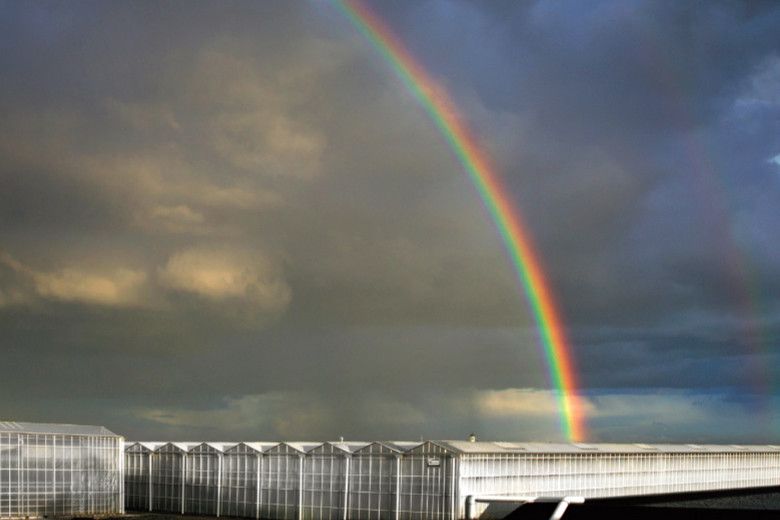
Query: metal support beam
<point x="257" y="488"/>
<point x="183" y="479"/>
<point x="151" y="461"/>
<point x="397" y="486"/>
<point x="121" y="475"/>
<point x="219" y="484"/>
<point x="300" y="487"/>
<point x="346" y="486"/>
<point x="559" y="510"/>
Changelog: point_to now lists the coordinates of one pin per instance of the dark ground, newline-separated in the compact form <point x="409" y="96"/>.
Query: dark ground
<point x="592" y="512"/>
<point x="752" y="504"/>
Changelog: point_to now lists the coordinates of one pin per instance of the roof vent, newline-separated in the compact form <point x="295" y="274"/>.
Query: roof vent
<point x="472" y="437"/>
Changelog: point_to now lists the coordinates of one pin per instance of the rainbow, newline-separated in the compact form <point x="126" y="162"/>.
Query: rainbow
<point x="494" y="195"/>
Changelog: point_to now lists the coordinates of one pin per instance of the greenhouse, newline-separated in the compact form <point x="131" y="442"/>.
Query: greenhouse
<point x="203" y="479"/>
<point x="443" y="480"/>
<point x="427" y="483"/>
<point x="280" y="480"/>
<point x="325" y="480"/>
<point x="138" y="475"/>
<point x="59" y="470"/>
<point x="241" y="467"/>
<point x="373" y="481"/>
<point x="168" y="477"/>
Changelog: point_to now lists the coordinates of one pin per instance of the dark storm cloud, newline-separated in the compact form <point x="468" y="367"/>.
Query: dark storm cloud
<point x="635" y="157"/>
<point x="230" y="220"/>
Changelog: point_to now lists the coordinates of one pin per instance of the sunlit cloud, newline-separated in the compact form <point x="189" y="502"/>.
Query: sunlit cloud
<point x="513" y="402"/>
<point x="221" y="274"/>
<point x="116" y="287"/>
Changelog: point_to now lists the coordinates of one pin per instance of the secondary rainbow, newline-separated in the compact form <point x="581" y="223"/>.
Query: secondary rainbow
<point x="437" y="103"/>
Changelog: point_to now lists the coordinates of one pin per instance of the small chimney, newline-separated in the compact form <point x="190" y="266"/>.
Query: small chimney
<point x="472" y="437"/>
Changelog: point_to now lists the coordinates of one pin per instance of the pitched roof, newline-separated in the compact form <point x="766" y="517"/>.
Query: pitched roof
<point x="259" y="447"/>
<point x="59" y="429"/>
<point x="178" y="446"/>
<point x="348" y="446"/>
<point x="462" y="446"/>
<point x="149" y="446"/>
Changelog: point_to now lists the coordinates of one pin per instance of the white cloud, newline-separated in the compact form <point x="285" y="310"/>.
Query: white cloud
<point x="254" y="128"/>
<point x="676" y="416"/>
<point x="222" y="274"/>
<point x="666" y="407"/>
<point x="268" y="144"/>
<point x="765" y="83"/>
<point x="521" y="401"/>
<point x="113" y="287"/>
<point x="164" y="178"/>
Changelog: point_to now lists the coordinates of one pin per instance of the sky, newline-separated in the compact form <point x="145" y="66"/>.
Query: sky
<point x="231" y="221"/>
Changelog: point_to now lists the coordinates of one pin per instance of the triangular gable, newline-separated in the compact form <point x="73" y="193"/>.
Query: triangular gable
<point x="141" y="447"/>
<point x="242" y="448"/>
<point x="175" y="447"/>
<point x="209" y="448"/>
<point x="403" y="446"/>
<point x="331" y="448"/>
<point x="350" y="446"/>
<point x="135" y="447"/>
<point x="304" y="446"/>
<point x="285" y="448"/>
<point x="432" y="448"/>
<point x="377" y="448"/>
